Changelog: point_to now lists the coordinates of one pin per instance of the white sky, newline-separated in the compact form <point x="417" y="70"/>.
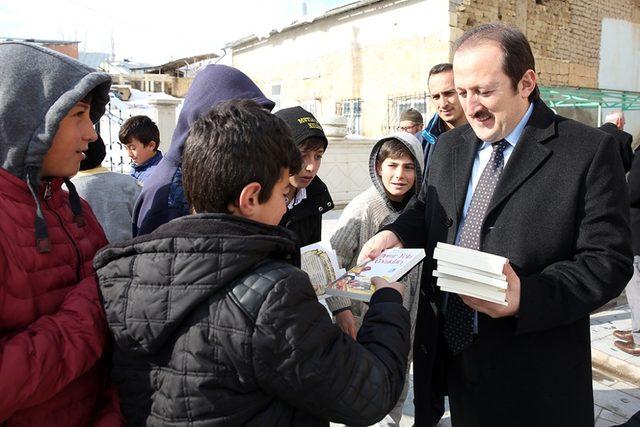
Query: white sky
<point x="150" y="31"/>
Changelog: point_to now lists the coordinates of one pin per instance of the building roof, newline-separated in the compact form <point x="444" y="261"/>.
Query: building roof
<point x="347" y="8"/>
<point x="39" y="41"/>
<point x="172" y="66"/>
<point x="93" y="59"/>
<point x="121" y="67"/>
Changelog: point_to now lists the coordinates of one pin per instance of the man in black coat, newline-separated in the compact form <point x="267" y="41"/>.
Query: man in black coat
<point x="553" y="200"/>
<point x="614" y="126"/>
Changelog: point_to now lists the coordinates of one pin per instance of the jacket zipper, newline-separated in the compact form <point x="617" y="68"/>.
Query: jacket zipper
<point x="47" y="196"/>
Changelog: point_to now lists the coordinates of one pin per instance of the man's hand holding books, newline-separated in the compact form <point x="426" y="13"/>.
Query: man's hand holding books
<point x="512" y="296"/>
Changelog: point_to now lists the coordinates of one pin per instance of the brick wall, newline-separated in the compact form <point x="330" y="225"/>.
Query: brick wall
<point x="69" y="49"/>
<point x="564" y="34"/>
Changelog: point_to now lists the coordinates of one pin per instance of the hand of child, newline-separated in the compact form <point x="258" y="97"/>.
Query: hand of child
<point x="381" y="283"/>
<point x="384" y="240"/>
<point x="347" y="322"/>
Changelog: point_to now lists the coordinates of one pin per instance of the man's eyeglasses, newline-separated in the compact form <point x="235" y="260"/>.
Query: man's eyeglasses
<point x="408" y="128"/>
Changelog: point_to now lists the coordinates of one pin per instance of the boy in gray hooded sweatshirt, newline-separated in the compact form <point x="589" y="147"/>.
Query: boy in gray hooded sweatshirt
<point x="395" y="166"/>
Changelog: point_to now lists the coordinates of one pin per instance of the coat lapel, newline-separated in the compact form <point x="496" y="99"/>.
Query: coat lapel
<point x="461" y="164"/>
<point x="528" y="155"/>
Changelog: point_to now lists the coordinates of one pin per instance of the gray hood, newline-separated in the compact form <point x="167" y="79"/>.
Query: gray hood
<point x="38" y="87"/>
<point x="414" y="146"/>
<point x="33" y="101"/>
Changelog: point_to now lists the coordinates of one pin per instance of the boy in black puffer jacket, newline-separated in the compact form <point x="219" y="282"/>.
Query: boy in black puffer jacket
<point x="215" y="324"/>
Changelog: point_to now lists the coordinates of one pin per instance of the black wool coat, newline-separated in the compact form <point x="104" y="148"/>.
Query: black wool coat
<point x="560" y="215"/>
<point x="623" y="140"/>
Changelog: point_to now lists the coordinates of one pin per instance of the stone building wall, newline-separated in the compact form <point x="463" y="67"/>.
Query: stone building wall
<point x="385" y="48"/>
<point x="380" y="51"/>
<point x="564" y="34"/>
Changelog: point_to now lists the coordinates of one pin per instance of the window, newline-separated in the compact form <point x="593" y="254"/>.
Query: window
<point x="398" y="103"/>
<point x="276" y="90"/>
<point x="313" y="106"/>
<point x="352" y="110"/>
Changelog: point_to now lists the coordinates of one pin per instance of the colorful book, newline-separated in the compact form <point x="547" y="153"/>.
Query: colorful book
<point x="391" y="265"/>
<point x="320" y="262"/>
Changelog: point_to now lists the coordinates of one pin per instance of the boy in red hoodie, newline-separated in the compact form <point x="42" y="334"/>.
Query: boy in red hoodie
<point x="52" y="327"/>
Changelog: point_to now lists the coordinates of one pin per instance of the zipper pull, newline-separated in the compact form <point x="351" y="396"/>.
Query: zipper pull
<point x="47" y="190"/>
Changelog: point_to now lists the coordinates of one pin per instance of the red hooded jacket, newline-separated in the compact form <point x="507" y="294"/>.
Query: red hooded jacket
<point x="53" y="331"/>
<point x="52" y="326"/>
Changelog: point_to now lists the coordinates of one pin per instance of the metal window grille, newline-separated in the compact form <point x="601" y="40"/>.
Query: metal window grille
<point x="313" y="106"/>
<point x="352" y="110"/>
<point x="276" y="96"/>
<point x="116" y="159"/>
<point x="396" y="104"/>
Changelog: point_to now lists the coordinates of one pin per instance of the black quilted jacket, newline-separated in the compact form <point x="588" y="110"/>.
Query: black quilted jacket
<point x="215" y="326"/>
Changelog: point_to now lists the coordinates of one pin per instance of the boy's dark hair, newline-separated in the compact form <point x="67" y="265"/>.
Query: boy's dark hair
<point x="141" y="128"/>
<point x="440" y="68"/>
<point x="236" y="143"/>
<point x="517" y="56"/>
<point x="313" y="143"/>
<point x="392" y="148"/>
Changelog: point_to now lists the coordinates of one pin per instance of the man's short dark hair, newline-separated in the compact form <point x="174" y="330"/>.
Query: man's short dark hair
<point x="517" y="55"/>
<point x="235" y="144"/>
<point x="141" y="128"/>
<point x="392" y="148"/>
<point x="440" y="68"/>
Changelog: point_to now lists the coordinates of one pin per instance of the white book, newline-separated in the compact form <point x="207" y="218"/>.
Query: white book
<point x="483" y="292"/>
<point x="480" y="288"/>
<point x="478" y="260"/>
<point x="469" y="274"/>
<point x="472" y="270"/>
<point x="474" y="295"/>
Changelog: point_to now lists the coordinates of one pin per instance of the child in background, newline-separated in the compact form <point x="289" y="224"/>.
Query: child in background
<point x="111" y="195"/>
<point x="308" y="197"/>
<point x="141" y="137"/>
<point x="395" y="166"/>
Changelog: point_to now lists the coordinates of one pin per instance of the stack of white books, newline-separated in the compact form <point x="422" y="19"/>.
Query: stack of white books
<point x="469" y="272"/>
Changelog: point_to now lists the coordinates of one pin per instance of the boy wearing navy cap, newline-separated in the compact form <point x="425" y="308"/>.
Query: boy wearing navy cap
<point x="308" y="197"/>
